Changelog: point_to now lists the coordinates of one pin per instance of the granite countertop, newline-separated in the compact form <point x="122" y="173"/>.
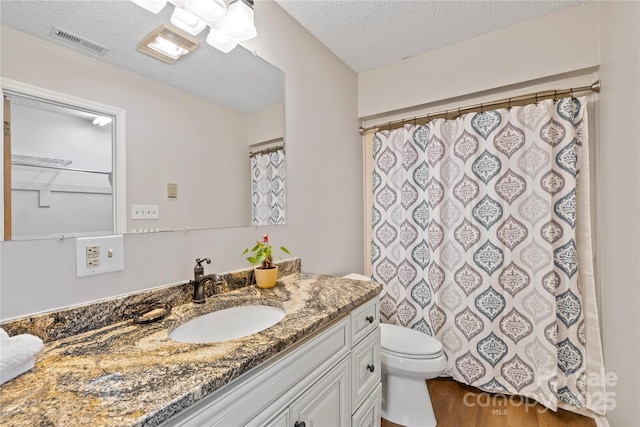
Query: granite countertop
<point x="126" y="374"/>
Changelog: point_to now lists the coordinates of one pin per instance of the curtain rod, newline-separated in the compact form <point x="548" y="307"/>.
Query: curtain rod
<point x="267" y="150"/>
<point x="502" y="103"/>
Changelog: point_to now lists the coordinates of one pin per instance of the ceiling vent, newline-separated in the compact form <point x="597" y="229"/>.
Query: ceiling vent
<point x="64" y="35"/>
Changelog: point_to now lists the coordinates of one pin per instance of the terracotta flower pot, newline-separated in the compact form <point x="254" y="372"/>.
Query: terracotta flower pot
<point x="266" y="277"/>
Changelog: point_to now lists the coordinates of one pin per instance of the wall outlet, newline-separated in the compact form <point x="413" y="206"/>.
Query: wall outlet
<point x="98" y="255"/>
<point x="93" y="251"/>
<point x="145" y="212"/>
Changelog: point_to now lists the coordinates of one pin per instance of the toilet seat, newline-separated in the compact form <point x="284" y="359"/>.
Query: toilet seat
<point x="408" y="343"/>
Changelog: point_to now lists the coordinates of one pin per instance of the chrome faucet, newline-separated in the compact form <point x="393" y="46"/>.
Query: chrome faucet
<point x="199" y="280"/>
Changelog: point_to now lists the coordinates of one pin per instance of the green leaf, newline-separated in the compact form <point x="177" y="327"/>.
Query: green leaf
<point x="285" y="250"/>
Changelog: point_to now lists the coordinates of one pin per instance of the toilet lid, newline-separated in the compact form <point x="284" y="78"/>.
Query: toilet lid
<point x="408" y="342"/>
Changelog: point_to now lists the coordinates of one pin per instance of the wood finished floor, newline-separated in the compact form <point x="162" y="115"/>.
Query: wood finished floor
<point x="447" y="397"/>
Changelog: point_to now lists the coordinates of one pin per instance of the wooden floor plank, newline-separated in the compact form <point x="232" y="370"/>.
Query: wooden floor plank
<point x="479" y="409"/>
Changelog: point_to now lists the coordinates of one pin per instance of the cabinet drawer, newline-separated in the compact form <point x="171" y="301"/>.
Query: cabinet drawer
<point x="364" y="319"/>
<point x="365" y="367"/>
<point x="369" y="413"/>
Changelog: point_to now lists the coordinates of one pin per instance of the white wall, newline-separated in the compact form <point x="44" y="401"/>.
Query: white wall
<point x="568" y="46"/>
<point x="324" y="184"/>
<point x="266" y="124"/>
<point x="558" y="43"/>
<point x="618" y="225"/>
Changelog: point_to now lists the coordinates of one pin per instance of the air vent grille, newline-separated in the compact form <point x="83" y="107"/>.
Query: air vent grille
<point x="69" y="37"/>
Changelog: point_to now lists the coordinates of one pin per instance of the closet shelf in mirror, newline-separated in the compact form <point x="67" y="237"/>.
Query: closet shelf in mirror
<point x="48" y="163"/>
<point x="19" y="159"/>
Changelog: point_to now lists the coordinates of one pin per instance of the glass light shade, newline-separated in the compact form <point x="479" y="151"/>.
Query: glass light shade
<point x="221" y="40"/>
<point x="209" y="10"/>
<point x="154" y="6"/>
<point x="167" y="47"/>
<point x="187" y="21"/>
<point x="239" y="22"/>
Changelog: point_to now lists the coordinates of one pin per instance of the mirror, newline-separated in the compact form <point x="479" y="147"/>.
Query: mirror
<point x="189" y="125"/>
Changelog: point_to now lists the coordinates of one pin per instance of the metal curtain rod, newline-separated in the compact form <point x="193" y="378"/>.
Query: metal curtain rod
<point x="502" y="103"/>
<point x="267" y="150"/>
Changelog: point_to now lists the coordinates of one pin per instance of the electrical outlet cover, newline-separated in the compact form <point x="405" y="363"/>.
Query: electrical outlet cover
<point x="113" y="245"/>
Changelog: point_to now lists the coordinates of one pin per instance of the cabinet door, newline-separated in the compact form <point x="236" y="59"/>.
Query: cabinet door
<point x="280" y="420"/>
<point x="369" y="413"/>
<point x="327" y="402"/>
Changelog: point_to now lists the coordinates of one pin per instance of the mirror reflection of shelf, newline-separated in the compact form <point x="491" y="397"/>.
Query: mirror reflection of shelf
<point x="48" y="163"/>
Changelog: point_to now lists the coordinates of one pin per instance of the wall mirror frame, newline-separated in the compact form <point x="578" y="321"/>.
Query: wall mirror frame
<point x="118" y="149"/>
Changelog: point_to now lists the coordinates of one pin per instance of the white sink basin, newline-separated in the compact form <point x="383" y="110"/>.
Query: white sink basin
<point x="228" y="324"/>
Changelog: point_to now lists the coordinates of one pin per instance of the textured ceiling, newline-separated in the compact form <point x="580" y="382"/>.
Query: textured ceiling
<point x="237" y="80"/>
<point x="367" y="34"/>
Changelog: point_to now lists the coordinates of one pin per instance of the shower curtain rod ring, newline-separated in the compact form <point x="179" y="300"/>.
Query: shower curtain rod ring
<point x="509" y="106"/>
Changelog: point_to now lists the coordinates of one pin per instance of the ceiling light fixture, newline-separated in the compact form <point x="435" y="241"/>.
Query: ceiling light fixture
<point x="187" y="21"/>
<point x="228" y="24"/>
<point x="102" y="120"/>
<point x="167" y="44"/>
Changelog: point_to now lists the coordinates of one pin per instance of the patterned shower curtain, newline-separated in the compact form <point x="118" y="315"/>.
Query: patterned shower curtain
<point x="475" y="240"/>
<point x="268" y="188"/>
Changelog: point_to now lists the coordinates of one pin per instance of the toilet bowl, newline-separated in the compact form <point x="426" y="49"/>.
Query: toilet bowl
<point x="408" y="358"/>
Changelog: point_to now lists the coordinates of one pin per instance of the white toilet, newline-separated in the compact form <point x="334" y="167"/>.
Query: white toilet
<point x="408" y="359"/>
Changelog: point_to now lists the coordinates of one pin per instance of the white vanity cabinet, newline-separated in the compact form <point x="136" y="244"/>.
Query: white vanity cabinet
<point x="331" y="379"/>
<point x="366" y="385"/>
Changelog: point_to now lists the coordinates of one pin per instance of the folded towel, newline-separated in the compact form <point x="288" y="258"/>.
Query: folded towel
<point x="17" y="354"/>
<point x="357" y="276"/>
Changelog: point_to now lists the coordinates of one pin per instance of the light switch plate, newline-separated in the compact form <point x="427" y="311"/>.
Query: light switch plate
<point x="172" y="191"/>
<point x="100" y="254"/>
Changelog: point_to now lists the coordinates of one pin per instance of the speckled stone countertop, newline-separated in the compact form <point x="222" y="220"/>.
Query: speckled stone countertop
<point x="126" y="374"/>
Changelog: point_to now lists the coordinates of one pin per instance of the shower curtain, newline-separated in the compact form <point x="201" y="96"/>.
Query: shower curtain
<point x="268" y="188"/>
<point x="481" y="237"/>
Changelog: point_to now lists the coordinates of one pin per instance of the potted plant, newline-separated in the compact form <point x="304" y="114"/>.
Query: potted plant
<point x="266" y="273"/>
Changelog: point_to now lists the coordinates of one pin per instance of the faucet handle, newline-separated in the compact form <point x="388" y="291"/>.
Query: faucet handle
<point x="200" y="261"/>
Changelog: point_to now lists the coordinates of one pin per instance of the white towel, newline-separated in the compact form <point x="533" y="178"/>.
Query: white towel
<point x="357" y="276"/>
<point x="17" y="354"/>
